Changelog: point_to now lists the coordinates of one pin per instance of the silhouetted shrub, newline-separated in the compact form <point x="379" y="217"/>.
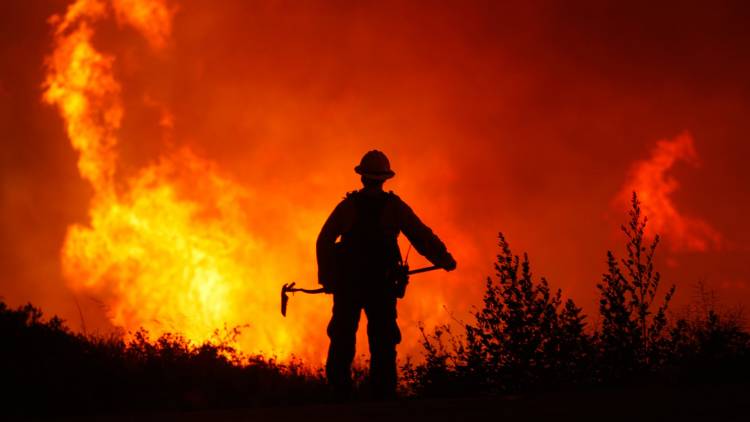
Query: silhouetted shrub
<point x="48" y="370"/>
<point x="632" y="333"/>
<point x="708" y="343"/>
<point x="444" y="371"/>
<point x="524" y="337"/>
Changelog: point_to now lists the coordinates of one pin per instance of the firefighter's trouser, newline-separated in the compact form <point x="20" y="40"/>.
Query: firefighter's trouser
<point x="383" y="335"/>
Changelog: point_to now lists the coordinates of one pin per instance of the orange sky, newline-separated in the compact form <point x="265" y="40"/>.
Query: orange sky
<point x="532" y="119"/>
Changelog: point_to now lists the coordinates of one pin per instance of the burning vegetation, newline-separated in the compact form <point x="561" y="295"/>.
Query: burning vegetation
<point x="168" y="249"/>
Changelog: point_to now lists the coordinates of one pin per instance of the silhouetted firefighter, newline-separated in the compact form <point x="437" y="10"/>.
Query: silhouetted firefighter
<point x="364" y="271"/>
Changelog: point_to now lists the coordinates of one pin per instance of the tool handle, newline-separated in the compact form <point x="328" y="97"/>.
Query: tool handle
<point x="424" y="270"/>
<point x="291" y="289"/>
<point x="308" y="291"/>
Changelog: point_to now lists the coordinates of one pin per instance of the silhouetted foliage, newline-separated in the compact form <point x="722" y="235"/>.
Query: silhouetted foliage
<point x="632" y="333"/>
<point x="525" y="338"/>
<point x="521" y="336"/>
<point x="46" y="369"/>
<point x="708" y="343"/>
<point x="441" y="373"/>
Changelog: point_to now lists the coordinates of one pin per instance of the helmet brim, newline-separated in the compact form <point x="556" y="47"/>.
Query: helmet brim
<point x="374" y="176"/>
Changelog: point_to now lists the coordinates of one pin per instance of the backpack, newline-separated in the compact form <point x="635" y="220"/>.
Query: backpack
<point x="369" y="251"/>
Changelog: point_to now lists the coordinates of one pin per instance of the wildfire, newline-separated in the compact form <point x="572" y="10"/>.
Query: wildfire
<point x="169" y="249"/>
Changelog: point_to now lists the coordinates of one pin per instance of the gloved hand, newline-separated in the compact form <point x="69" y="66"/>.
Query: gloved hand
<point x="448" y="264"/>
<point x="328" y="288"/>
<point x="327" y="278"/>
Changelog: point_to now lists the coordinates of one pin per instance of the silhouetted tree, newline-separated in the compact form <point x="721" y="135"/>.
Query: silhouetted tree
<point x="631" y="336"/>
<point x="521" y="335"/>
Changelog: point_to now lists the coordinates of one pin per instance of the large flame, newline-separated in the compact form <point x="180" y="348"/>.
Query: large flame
<point x="169" y="249"/>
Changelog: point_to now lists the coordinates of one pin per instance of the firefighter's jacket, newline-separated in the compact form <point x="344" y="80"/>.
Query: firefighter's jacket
<point x="392" y="217"/>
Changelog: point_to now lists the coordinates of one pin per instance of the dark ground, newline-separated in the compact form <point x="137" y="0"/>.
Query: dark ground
<point x="695" y="403"/>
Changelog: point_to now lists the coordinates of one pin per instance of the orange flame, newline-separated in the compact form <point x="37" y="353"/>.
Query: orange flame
<point x="81" y="84"/>
<point x="654" y="186"/>
<point x="152" y="18"/>
<point x="170" y="249"/>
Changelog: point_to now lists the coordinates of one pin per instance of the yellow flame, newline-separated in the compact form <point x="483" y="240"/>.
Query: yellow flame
<point x="81" y="84"/>
<point x="170" y="249"/>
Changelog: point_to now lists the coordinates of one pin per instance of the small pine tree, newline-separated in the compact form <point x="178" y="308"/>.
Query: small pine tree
<point x="632" y="332"/>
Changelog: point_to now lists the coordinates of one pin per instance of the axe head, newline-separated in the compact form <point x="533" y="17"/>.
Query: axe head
<point x="285" y="297"/>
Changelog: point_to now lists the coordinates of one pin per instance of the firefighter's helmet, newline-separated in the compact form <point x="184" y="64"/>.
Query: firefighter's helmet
<point x="375" y="165"/>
